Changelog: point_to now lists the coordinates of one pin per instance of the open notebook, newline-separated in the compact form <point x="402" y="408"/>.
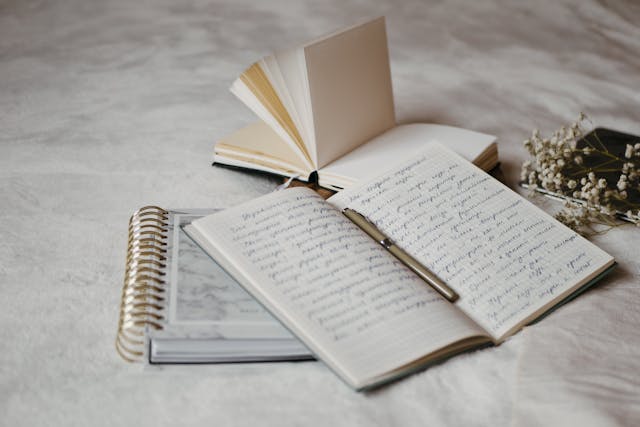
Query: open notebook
<point x="327" y="108"/>
<point x="362" y="311"/>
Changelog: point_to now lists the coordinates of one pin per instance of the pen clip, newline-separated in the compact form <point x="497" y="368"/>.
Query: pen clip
<point x="367" y="226"/>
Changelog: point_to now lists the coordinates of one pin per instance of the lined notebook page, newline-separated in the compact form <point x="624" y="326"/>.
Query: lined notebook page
<point x="506" y="258"/>
<point x="355" y="305"/>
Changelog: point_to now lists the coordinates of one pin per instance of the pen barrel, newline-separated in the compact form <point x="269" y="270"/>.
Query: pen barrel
<point x="424" y="273"/>
<point x="413" y="264"/>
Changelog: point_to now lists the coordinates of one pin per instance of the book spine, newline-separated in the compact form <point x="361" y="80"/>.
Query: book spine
<point x="142" y="300"/>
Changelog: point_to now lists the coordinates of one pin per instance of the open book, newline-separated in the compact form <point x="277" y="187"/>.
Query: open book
<point x="327" y="108"/>
<point x="364" y="313"/>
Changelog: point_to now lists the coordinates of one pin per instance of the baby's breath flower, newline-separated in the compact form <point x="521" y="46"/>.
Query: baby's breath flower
<point x="559" y="166"/>
<point x="629" y="151"/>
<point x="622" y="182"/>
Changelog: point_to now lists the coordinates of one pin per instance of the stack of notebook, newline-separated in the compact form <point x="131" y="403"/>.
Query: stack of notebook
<point x="419" y="256"/>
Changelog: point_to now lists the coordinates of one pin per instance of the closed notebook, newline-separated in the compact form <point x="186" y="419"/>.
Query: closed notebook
<point x="180" y="306"/>
<point x="608" y="148"/>
<point x="365" y="313"/>
<point x="328" y="114"/>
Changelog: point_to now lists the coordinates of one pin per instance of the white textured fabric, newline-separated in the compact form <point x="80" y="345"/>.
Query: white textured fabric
<point x="108" y="105"/>
<point x="581" y="365"/>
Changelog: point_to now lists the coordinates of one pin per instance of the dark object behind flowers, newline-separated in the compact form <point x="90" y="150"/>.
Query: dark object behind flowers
<point x="596" y="174"/>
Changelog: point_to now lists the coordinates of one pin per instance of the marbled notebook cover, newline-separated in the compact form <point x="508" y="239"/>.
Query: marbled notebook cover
<point x="203" y="302"/>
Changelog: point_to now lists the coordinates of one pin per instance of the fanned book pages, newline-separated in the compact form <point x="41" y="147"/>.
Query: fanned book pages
<point x="366" y="314"/>
<point x="327" y="109"/>
<point x="180" y="306"/>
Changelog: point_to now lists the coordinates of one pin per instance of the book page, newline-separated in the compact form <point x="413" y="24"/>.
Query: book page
<point x="273" y="71"/>
<point x="401" y="143"/>
<point x="350" y="88"/>
<point x="506" y="258"/>
<point x="294" y="75"/>
<point x="358" y="308"/>
<point x="240" y="89"/>
<point x="260" y="144"/>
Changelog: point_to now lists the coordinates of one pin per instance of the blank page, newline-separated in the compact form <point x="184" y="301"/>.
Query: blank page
<point x="402" y="143"/>
<point x="350" y="89"/>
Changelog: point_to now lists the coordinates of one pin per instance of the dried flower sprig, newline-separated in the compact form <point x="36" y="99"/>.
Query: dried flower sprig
<point x="594" y="181"/>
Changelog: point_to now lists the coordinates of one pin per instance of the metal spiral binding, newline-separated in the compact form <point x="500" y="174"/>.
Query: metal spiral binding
<point x="142" y="301"/>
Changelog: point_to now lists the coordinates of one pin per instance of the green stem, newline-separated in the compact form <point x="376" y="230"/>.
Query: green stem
<point x="595" y="134"/>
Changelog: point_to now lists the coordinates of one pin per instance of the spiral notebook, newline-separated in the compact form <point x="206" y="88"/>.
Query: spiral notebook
<point x="179" y="306"/>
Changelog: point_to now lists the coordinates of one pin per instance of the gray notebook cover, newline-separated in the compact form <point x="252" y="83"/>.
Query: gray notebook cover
<point x="204" y="315"/>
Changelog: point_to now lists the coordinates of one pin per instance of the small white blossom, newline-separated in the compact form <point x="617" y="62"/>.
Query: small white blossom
<point x="629" y="151"/>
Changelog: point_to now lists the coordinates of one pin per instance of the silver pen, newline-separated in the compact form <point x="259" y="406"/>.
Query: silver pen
<point x="415" y="266"/>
